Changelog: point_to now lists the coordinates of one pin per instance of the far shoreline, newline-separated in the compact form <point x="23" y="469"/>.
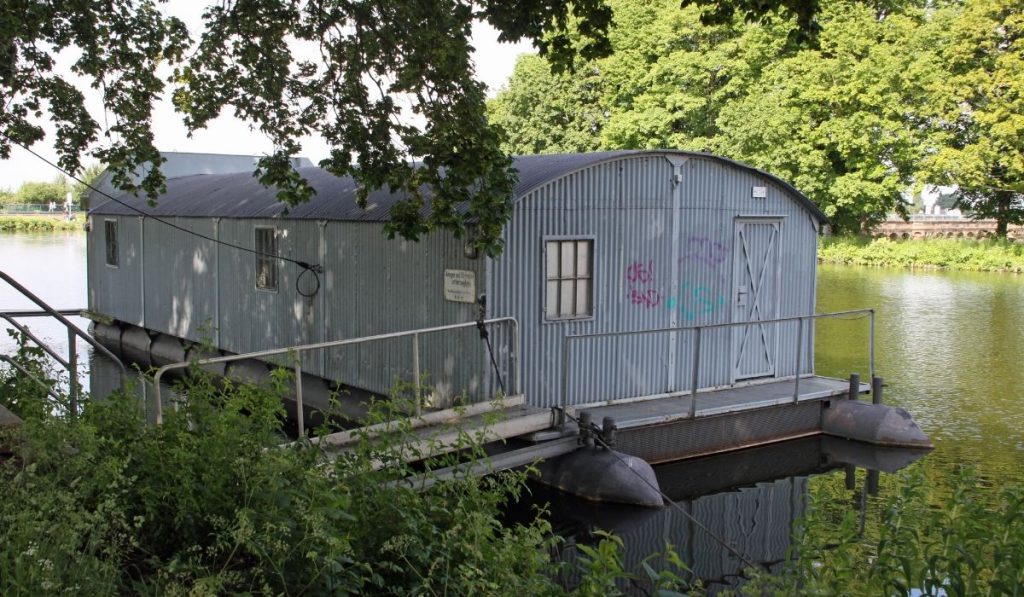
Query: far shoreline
<point x="42" y="223"/>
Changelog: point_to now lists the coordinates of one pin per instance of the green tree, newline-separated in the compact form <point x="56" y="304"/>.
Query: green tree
<point x="43" y="192"/>
<point x="362" y="64"/>
<point x="840" y="120"/>
<point x="978" y="108"/>
<point x="544" y="112"/>
<point x="87" y="175"/>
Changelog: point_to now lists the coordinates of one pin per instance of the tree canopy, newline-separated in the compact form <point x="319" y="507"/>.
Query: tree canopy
<point x="387" y="84"/>
<point x="891" y="95"/>
<point x="978" y="108"/>
<point x="365" y="62"/>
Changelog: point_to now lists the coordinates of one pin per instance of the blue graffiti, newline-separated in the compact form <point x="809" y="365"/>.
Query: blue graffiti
<point x="695" y="300"/>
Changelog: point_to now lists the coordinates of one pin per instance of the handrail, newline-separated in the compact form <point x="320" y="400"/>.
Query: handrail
<point x="30" y="375"/>
<point x="697" y="331"/>
<point x="514" y="365"/>
<point x="73" y="332"/>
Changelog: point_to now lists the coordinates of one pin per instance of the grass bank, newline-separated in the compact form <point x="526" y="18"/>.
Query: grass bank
<point x="932" y="253"/>
<point x="9" y="223"/>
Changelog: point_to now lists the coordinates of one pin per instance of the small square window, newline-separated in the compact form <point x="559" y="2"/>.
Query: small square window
<point x="266" y="258"/>
<point x="110" y="237"/>
<point x="569" y="289"/>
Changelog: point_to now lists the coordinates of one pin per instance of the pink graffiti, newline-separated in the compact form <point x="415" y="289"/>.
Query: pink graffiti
<point x="649" y="298"/>
<point x="639" y="272"/>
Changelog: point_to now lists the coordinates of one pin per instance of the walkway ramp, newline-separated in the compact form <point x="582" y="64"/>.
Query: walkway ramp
<point x="440" y="432"/>
<point x="719" y="401"/>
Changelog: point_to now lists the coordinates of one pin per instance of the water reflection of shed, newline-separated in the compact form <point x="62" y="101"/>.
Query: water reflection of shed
<point x="601" y="242"/>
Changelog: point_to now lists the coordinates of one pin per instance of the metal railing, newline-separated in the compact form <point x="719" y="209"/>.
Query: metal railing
<point x="515" y="373"/>
<point x="37" y="209"/>
<point x="697" y="332"/>
<point x="74" y="332"/>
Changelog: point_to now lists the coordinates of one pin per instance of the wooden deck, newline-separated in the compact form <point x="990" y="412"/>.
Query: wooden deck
<point x="717" y="402"/>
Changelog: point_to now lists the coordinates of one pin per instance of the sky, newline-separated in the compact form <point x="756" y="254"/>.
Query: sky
<point x="494" y="62"/>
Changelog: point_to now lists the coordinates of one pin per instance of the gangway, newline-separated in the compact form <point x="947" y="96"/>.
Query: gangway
<point x="434" y="432"/>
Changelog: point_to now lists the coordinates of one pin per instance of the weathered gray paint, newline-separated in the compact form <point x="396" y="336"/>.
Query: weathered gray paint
<point x="663" y="225"/>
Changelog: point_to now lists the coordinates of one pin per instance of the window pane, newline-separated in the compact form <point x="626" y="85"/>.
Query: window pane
<point x="110" y="233"/>
<point x="583" y="259"/>
<point x="551" y="302"/>
<point x="566" y="298"/>
<point x="583" y="297"/>
<point x="551" y="251"/>
<point x="568" y="259"/>
<point x="266" y="264"/>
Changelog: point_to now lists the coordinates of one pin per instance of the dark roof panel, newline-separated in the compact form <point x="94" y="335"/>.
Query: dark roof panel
<point x="240" y="195"/>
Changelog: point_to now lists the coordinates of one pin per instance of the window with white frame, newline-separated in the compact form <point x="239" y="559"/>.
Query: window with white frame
<point x="110" y="238"/>
<point x="569" y="290"/>
<point x="266" y="258"/>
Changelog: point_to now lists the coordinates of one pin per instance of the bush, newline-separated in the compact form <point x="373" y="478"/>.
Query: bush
<point x="938" y="253"/>
<point x="41" y="224"/>
<point x="934" y="534"/>
<point x="207" y="502"/>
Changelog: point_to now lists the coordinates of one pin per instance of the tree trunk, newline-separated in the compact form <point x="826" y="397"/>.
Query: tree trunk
<point x="1003" y="202"/>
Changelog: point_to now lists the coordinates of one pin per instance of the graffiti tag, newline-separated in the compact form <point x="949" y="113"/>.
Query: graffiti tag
<point x="704" y="250"/>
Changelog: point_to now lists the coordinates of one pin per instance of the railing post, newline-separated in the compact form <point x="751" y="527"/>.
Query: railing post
<point x="696" y="373"/>
<point x="416" y="371"/>
<point x="799" y="358"/>
<point x="871" y="345"/>
<point x="516" y="362"/>
<point x="72" y="373"/>
<point x="158" y="407"/>
<point x="854" y="391"/>
<point x="299" y="414"/>
<point x="876" y="390"/>
<point x="565" y="376"/>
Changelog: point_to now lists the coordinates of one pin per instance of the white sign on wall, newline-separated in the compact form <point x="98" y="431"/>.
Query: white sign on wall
<point x="759" y="192"/>
<point x="459" y="286"/>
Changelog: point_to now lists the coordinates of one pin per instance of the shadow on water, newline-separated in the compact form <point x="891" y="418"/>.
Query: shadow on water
<point x="747" y="501"/>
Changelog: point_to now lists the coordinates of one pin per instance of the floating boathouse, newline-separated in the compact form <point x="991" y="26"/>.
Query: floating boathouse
<point x="599" y="244"/>
<point x="670" y="292"/>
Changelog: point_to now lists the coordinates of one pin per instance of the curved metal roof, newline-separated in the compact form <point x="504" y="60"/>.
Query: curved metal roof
<point x="240" y="195"/>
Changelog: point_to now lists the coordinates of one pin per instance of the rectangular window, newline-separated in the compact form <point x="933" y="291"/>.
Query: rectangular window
<point x="570" y="289"/>
<point x="266" y="258"/>
<point x="110" y="232"/>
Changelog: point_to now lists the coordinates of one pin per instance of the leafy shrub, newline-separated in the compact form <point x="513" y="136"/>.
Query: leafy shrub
<point x="208" y="502"/>
<point x="973" y="255"/>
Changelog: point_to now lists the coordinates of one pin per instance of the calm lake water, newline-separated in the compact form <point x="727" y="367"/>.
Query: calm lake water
<point x="947" y="344"/>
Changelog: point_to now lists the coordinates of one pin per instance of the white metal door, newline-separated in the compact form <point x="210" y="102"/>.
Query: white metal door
<point x="756" y="296"/>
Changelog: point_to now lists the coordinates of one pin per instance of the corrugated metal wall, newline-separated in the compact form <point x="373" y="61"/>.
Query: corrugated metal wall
<point x="252" y="319"/>
<point x="116" y="291"/>
<point x="181" y="298"/>
<point x="375" y="285"/>
<point x="663" y="226"/>
<point x="200" y="290"/>
<point x="664" y="256"/>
